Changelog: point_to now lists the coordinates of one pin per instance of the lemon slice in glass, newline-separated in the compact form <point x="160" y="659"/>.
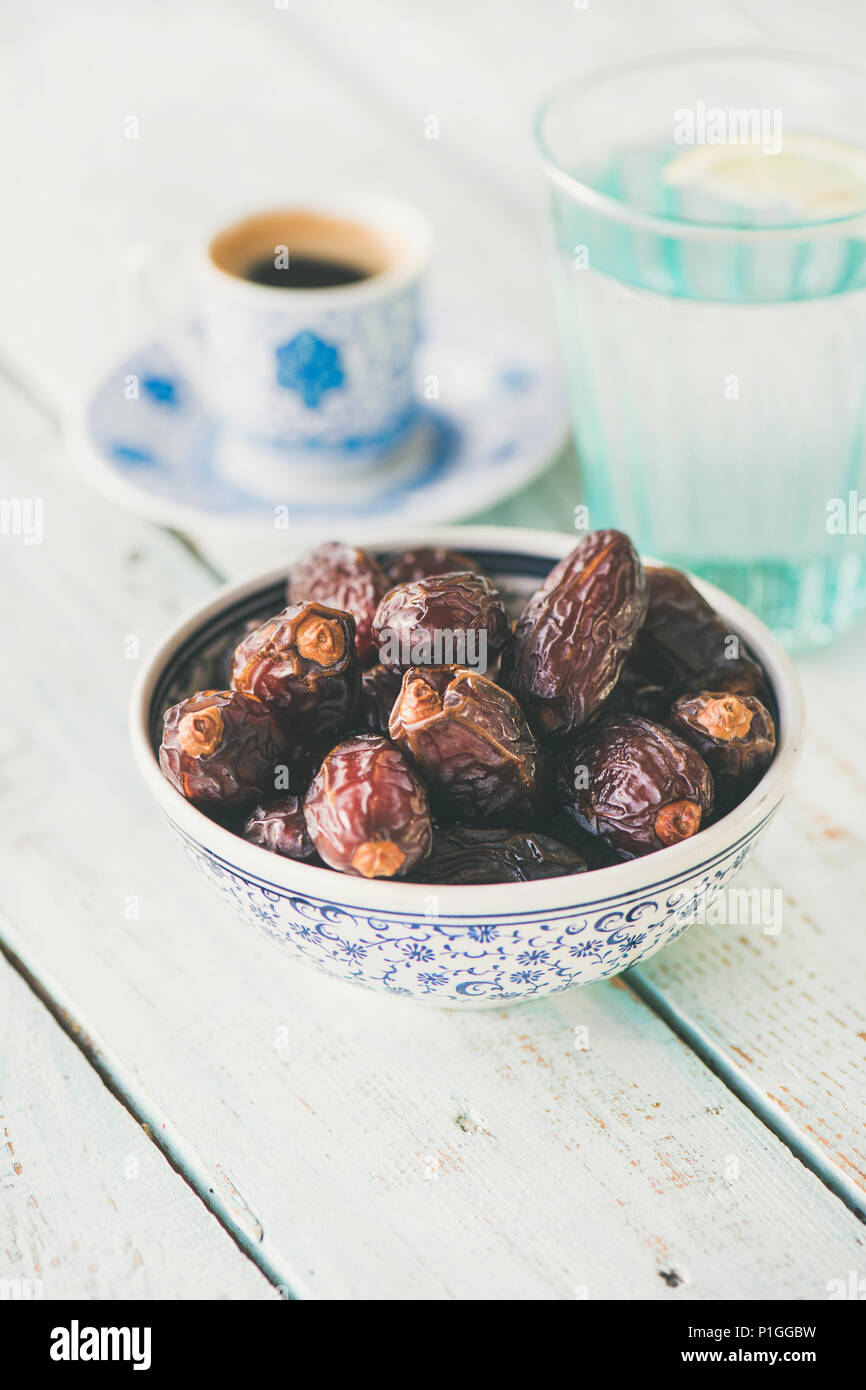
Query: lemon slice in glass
<point x="810" y="176"/>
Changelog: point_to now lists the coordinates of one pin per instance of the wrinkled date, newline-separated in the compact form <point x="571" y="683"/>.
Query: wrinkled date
<point x="467" y="854"/>
<point x="228" y="656"/>
<point x="219" y="748"/>
<point x="379" y="689"/>
<point x="345" y="578"/>
<point x="734" y="734"/>
<point x="643" y="688"/>
<point x="405" y="566"/>
<point x="619" y="717"/>
<point x="446" y="619"/>
<point x="637" y="785"/>
<point x="303" y="665"/>
<point x="471" y="742"/>
<point x="280" y="827"/>
<point x="687" y="644"/>
<point x="574" y="634"/>
<point x="366" y="810"/>
<point x="596" y="853"/>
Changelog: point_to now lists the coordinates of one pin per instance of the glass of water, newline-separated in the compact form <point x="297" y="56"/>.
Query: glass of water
<point x="709" y="213"/>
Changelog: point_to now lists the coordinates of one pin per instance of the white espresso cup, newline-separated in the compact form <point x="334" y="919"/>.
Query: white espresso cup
<point x="303" y="365"/>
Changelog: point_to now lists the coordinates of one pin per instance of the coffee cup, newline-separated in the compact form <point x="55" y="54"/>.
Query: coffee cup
<point x="306" y="324"/>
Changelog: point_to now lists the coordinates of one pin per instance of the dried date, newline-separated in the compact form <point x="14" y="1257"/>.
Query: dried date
<point x="595" y="852"/>
<point x="443" y="620"/>
<point x="227" y="656"/>
<point x="643" y="688"/>
<point x="379" y="689"/>
<point x="572" y="638"/>
<point x="280" y="827"/>
<point x="346" y="578"/>
<point x="303" y="665"/>
<point x="367" y="811"/>
<point x="637" y="785"/>
<point x="464" y="854"/>
<point x="406" y="566"/>
<point x="687" y="645"/>
<point x="472" y="744"/>
<point x="219" y="748"/>
<point x="661" y="706"/>
<point x="734" y="734"/>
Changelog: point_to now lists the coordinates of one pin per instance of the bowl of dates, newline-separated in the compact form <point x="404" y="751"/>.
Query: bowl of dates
<point x="478" y="766"/>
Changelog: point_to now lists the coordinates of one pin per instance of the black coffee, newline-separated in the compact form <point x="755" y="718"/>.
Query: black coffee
<point x="304" y="273"/>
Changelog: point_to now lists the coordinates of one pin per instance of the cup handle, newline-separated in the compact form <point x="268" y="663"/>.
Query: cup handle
<point x="149" y="293"/>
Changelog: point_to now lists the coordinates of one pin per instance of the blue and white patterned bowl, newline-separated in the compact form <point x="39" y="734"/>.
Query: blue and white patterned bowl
<point x="457" y="946"/>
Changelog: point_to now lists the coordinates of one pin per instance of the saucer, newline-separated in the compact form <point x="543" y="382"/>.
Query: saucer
<point x="490" y="417"/>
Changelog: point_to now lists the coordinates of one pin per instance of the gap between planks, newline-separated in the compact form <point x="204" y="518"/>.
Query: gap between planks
<point x="243" y="1229"/>
<point x="116" y="1078"/>
<point x="801" y="1146"/>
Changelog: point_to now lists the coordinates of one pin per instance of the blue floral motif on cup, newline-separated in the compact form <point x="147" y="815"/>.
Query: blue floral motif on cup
<point x="162" y="390"/>
<point x="309" y="366"/>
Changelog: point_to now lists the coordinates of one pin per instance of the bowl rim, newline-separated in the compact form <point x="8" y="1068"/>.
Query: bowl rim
<point x="383" y="897"/>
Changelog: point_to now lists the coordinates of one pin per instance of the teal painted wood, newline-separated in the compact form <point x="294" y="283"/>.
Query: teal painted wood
<point x="90" y="1208"/>
<point x="633" y="1136"/>
<point x="353" y="1154"/>
<point x="548" y="503"/>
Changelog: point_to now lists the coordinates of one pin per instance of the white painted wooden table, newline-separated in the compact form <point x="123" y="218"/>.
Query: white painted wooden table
<point x="181" y="1115"/>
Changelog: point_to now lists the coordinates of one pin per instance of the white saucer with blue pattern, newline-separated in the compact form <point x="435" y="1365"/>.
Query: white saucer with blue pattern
<point x="491" y="416"/>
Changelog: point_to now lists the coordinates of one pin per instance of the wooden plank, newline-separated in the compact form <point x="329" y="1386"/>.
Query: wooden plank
<point x="481" y="70"/>
<point x="362" y="1147"/>
<point x="783" y="1009"/>
<point x="557" y="1151"/>
<point x="90" y="1208"/>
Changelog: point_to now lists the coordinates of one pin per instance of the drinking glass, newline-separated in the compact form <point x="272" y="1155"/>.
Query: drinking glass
<point x="709" y="214"/>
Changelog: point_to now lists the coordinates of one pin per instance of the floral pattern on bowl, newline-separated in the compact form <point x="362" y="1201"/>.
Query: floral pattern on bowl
<point x="497" y="959"/>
